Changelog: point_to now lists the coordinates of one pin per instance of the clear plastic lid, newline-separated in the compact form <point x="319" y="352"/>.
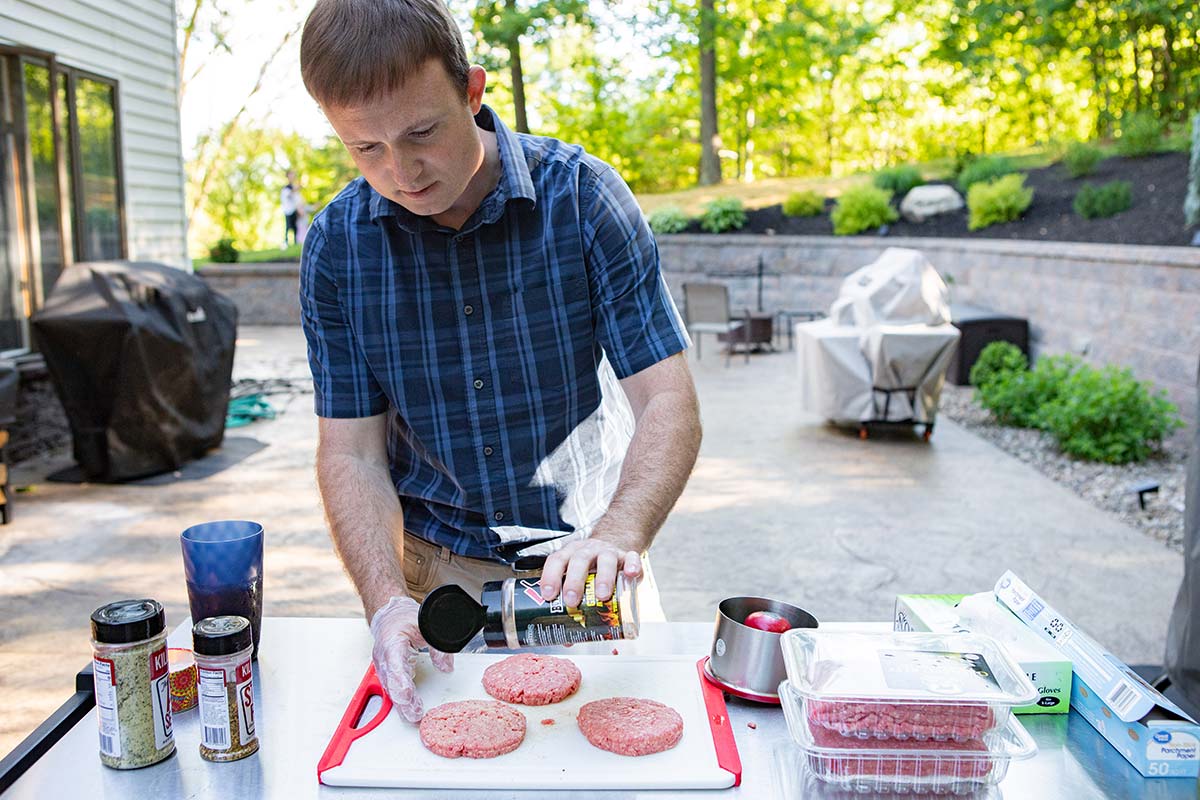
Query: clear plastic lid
<point x="894" y="667"/>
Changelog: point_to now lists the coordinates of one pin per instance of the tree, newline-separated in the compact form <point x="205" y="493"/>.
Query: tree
<point x="710" y="138"/>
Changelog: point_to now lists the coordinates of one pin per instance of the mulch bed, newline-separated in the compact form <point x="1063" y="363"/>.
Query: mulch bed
<point x="1159" y="185"/>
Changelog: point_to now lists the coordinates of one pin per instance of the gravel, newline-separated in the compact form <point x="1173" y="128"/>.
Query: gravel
<point x="1107" y="486"/>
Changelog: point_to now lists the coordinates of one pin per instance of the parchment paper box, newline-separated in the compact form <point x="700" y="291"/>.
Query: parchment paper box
<point x="1153" y="734"/>
<point x="1046" y="667"/>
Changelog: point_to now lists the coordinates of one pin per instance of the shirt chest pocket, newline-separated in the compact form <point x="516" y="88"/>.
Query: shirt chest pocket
<point x="541" y="302"/>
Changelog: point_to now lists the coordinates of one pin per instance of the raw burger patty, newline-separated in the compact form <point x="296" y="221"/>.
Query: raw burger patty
<point x="531" y="680"/>
<point x="473" y="728"/>
<point x="940" y="723"/>
<point x="630" y="726"/>
<point x="923" y="765"/>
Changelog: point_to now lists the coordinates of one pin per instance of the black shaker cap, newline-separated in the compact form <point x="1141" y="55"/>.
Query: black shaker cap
<point x="221" y="636"/>
<point x="449" y="618"/>
<point x="127" y="621"/>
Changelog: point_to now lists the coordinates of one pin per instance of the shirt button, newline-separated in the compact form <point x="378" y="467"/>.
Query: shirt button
<point x="468" y="310"/>
<point x="478" y="384"/>
<point x="499" y="515"/>
<point x="487" y="451"/>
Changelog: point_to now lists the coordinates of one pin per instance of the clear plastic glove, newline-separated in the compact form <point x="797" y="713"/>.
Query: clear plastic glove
<point x="397" y="639"/>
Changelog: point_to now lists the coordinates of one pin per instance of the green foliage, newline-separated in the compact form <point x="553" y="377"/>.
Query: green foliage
<point x="1081" y="159"/>
<point x="996" y="360"/>
<point x="1002" y="200"/>
<point x="862" y="208"/>
<point x="1108" y="415"/>
<point x="1141" y="134"/>
<point x="984" y="169"/>
<point x="223" y="252"/>
<point x="723" y="214"/>
<point x="804" y="204"/>
<point x="1094" y="202"/>
<point x="669" y="219"/>
<point x="1013" y="393"/>
<point x="898" y="180"/>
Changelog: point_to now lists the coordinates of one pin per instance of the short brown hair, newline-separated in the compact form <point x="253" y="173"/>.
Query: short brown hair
<point x="354" y="50"/>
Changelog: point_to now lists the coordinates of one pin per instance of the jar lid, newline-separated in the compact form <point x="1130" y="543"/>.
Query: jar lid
<point x="221" y="636"/>
<point x="449" y="618"/>
<point x="127" y="621"/>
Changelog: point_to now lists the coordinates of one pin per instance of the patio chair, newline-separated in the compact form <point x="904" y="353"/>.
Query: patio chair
<point x="706" y="310"/>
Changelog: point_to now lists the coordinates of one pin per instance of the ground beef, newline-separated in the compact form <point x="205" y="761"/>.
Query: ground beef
<point x="472" y="728"/>
<point x="849" y="765"/>
<point x="922" y="722"/>
<point x="630" y="726"/>
<point x="532" y="680"/>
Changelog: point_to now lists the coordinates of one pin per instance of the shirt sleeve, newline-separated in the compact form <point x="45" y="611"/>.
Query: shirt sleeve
<point x="343" y="384"/>
<point x="635" y="317"/>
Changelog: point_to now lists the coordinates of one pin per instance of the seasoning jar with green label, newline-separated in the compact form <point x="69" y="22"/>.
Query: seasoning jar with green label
<point x="223" y="646"/>
<point x="131" y="676"/>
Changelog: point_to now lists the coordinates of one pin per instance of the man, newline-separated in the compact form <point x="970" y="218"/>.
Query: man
<point x="497" y="363"/>
<point x="290" y="202"/>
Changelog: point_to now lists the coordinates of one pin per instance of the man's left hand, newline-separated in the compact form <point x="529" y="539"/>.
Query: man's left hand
<point x="577" y="559"/>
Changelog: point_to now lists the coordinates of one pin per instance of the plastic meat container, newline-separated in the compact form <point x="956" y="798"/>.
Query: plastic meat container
<point x="866" y="766"/>
<point x="919" y="687"/>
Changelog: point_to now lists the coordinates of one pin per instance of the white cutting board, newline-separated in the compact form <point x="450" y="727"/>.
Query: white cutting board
<point x="552" y="756"/>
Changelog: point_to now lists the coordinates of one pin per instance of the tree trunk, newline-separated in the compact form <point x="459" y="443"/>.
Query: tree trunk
<point x="518" y="76"/>
<point x="710" y="161"/>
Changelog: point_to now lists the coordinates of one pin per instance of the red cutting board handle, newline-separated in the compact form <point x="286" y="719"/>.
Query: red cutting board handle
<point x="346" y="734"/>
<point x="722" y="730"/>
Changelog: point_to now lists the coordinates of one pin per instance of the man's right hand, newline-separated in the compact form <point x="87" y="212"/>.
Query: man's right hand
<point x="397" y="640"/>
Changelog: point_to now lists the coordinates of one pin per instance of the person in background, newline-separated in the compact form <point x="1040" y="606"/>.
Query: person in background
<point x="290" y="202"/>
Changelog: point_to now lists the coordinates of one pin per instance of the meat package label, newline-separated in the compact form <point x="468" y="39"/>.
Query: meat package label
<point x="939" y="672"/>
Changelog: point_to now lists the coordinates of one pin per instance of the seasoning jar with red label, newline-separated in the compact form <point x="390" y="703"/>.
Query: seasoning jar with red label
<point x="223" y="646"/>
<point x="130" y="673"/>
<point x="512" y="614"/>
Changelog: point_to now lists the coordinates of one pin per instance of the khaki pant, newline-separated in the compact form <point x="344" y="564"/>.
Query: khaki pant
<point x="428" y="566"/>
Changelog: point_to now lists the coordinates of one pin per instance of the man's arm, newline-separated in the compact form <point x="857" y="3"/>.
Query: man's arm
<point x="361" y="506"/>
<point x="660" y="458"/>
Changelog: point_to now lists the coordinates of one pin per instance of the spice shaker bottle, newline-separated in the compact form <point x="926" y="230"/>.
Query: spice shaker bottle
<point x="130" y="672"/>
<point x="223" y="646"/>
<point x="512" y="614"/>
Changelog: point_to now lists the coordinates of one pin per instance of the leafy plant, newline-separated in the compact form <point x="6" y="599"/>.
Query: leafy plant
<point x="1093" y="202"/>
<point x="862" y="208"/>
<point x="995" y="360"/>
<point x="1108" y="415"/>
<point x="898" y="180"/>
<point x="1141" y="134"/>
<point x="1081" y="159"/>
<point x="723" y="214"/>
<point x="669" y="219"/>
<point x="1014" y="394"/>
<point x="984" y="168"/>
<point x="223" y="252"/>
<point x="807" y="203"/>
<point x="1002" y="200"/>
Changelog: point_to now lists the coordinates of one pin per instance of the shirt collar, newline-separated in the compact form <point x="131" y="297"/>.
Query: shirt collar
<point x="515" y="181"/>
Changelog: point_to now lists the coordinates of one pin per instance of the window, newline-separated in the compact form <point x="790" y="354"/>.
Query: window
<point x="61" y="193"/>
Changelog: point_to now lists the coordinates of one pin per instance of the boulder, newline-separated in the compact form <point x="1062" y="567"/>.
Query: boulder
<point x="923" y="202"/>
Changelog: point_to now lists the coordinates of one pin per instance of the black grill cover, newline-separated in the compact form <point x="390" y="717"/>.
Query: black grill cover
<point x="141" y="355"/>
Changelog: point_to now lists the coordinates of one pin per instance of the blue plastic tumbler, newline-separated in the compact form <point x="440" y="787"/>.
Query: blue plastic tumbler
<point x="223" y="565"/>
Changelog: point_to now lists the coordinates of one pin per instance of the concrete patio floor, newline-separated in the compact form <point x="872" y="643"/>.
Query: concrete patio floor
<point x="779" y="505"/>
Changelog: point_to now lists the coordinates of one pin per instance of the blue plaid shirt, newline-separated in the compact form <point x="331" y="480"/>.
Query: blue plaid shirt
<point x="494" y="349"/>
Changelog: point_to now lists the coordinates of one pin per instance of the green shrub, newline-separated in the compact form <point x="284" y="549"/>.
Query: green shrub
<point x="1015" y="395"/>
<point x="1093" y="202"/>
<point x="803" y="204"/>
<point x="898" y="180"/>
<point x="862" y="208"/>
<point x="1081" y="159"/>
<point x="669" y="219"/>
<point x="984" y="168"/>
<point x="1108" y="415"/>
<point x="1141" y="134"/>
<point x="723" y="214"/>
<point x="995" y="360"/>
<point x="1001" y="200"/>
<point x="223" y="252"/>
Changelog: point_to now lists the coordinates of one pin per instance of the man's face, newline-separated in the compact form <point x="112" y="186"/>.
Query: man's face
<point x="419" y="145"/>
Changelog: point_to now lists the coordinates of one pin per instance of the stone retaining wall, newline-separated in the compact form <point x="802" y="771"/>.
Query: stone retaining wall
<point x="1132" y="305"/>
<point x="1124" y="304"/>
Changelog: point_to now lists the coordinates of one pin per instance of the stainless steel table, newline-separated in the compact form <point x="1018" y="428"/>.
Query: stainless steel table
<point x="308" y="668"/>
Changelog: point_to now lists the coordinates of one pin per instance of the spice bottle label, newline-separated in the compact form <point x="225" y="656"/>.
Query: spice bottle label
<point x="160" y="691"/>
<point x="542" y="623"/>
<point x="104" y="676"/>
<point x="214" y="710"/>
<point x="245" y="701"/>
